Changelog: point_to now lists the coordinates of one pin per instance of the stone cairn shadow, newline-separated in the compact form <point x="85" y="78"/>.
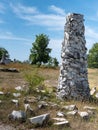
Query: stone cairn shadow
<point x="73" y="79"/>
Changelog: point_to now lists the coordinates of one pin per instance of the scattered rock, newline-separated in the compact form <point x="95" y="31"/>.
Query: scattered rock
<point x="96" y="95"/>
<point x="9" y="70"/>
<point x="17" y="115"/>
<point x="60" y="114"/>
<point x="42" y="104"/>
<point x="0" y="101"/>
<point x="19" y="88"/>
<point x="1" y="93"/>
<point x="15" y="101"/>
<point x="28" y="108"/>
<point x="84" y="115"/>
<point x="93" y="90"/>
<point x="59" y="119"/>
<point x="40" y="120"/>
<point x="16" y="94"/>
<point x="70" y="107"/>
<point x="73" y="113"/>
<point x="53" y="105"/>
<point x="62" y="124"/>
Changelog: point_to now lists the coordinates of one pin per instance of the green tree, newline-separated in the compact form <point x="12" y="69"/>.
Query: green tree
<point x="3" y="52"/>
<point x="93" y="56"/>
<point x="53" y="62"/>
<point x="40" y="51"/>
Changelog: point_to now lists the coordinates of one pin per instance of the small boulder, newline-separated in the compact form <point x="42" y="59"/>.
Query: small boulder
<point x="84" y="114"/>
<point x="1" y="93"/>
<point x="62" y="124"/>
<point x="19" y="88"/>
<point x="59" y="119"/>
<point x="28" y="108"/>
<point x="42" y="104"/>
<point x="60" y="114"/>
<point x="15" y="101"/>
<point x="73" y="113"/>
<point x="93" y="90"/>
<point x="40" y="120"/>
<point x="70" y="107"/>
<point x="16" y="94"/>
<point x="17" y="115"/>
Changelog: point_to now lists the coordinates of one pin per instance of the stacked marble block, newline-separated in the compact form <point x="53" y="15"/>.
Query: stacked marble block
<point x="73" y="79"/>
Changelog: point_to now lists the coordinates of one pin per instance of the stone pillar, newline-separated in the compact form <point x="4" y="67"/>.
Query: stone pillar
<point x="73" y="79"/>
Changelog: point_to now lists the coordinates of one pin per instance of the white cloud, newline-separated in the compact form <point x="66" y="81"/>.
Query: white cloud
<point x="10" y="36"/>
<point x="57" y="10"/>
<point x="52" y="21"/>
<point x="20" y="9"/>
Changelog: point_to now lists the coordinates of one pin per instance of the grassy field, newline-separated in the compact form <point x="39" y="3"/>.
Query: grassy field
<point x="8" y="81"/>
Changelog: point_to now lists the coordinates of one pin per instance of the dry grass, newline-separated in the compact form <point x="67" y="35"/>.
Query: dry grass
<point x="8" y="81"/>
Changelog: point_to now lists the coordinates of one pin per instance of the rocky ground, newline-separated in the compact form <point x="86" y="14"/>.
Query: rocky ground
<point x="38" y="108"/>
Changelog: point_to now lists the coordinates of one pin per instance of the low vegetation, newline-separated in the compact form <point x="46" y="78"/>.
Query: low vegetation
<point x="40" y="84"/>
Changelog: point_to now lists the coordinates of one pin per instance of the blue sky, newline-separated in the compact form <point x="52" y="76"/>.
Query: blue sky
<point x="21" y="20"/>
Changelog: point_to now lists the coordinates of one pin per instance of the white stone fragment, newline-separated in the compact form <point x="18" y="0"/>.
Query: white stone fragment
<point x="93" y="90"/>
<point x="96" y="95"/>
<point x="40" y="120"/>
<point x="60" y="114"/>
<point x="59" y="119"/>
<point x="19" y="88"/>
<point x="63" y="123"/>
<point x="17" y="115"/>
<point x="72" y="112"/>
<point x="84" y="114"/>
<point x="1" y="93"/>
<point x="15" y="101"/>
<point x="28" y="108"/>
<point x="16" y="94"/>
<point x="70" y="107"/>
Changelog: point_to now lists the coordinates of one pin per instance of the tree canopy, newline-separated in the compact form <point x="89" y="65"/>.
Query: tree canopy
<point x="93" y="56"/>
<point x="40" y="51"/>
<point x="3" y="52"/>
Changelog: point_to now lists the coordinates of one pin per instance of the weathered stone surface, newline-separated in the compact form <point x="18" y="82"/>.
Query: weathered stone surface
<point x="42" y="104"/>
<point x="73" y="80"/>
<point x="62" y="124"/>
<point x="19" y="88"/>
<point x="28" y="108"/>
<point x="15" y="101"/>
<point x="1" y="93"/>
<point x="17" y="115"/>
<point x="93" y="90"/>
<point x="40" y="120"/>
<point x="70" y="107"/>
<point x="72" y="113"/>
<point x="60" y="114"/>
<point x="59" y="119"/>
<point x="84" y="114"/>
<point x="96" y="95"/>
<point x="16" y="94"/>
